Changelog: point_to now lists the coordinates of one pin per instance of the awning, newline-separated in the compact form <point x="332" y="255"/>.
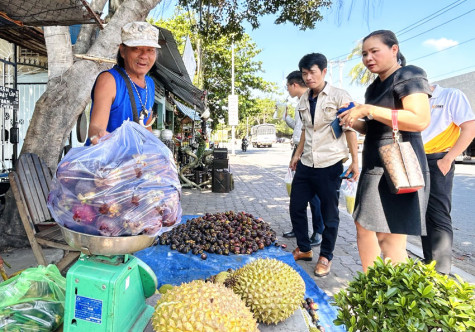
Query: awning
<point x="171" y="72"/>
<point x="21" y="20"/>
<point x="191" y="113"/>
<point x="31" y="38"/>
<point x="17" y="13"/>
<point x="169" y="56"/>
<point x="179" y="86"/>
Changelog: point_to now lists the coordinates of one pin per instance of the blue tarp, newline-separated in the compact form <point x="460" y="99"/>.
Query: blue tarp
<point x="172" y="267"/>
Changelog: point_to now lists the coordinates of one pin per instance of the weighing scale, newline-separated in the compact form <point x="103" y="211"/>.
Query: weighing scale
<point x="107" y="287"/>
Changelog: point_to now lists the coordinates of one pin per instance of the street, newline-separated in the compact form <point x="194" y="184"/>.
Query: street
<point x="276" y="159"/>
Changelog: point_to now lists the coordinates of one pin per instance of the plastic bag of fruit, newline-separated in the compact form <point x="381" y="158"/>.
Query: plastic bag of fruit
<point x="33" y="300"/>
<point x="349" y="191"/>
<point x="127" y="184"/>
<point x="288" y="180"/>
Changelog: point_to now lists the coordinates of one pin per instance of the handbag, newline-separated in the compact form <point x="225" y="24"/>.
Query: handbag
<point x="401" y="165"/>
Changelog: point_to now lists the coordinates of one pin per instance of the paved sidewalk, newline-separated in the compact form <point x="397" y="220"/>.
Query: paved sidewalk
<point x="259" y="191"/>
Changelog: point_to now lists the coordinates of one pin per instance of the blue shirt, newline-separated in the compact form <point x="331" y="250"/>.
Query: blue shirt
<point x="121" y="108"/>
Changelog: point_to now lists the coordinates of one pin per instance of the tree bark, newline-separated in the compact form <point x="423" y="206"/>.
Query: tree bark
<point x="66" y="96"/>
<point x="58" y="38"/>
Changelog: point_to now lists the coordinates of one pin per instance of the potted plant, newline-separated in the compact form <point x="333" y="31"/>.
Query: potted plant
<point x="406" y="297"/>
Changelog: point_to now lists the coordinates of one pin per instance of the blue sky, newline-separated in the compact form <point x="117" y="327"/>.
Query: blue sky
<point x="423" y="35"/>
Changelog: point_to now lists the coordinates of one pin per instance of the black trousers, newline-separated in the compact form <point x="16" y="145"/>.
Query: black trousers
<point x="317" y="219"/>
<point x="325" y="184"/>
<point x="437" y="245"/>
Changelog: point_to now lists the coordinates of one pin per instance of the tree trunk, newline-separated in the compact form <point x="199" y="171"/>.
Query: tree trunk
<point x="199" y="63"/>
<point x="86" y="33"/>
<point x="66" y="96"/>
<point x="58" y="38"/>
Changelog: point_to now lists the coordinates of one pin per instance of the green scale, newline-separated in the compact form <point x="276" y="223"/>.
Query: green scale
<point x="107" y="287"/>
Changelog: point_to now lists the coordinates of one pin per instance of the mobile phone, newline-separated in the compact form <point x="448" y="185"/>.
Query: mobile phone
<point x="350" y="105"/>
<point x="336" y="129"/>
<point x="344" y="176"/>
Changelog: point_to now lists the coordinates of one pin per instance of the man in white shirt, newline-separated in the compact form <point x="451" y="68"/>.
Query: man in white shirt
<point x="451" y="130"/>
<point x="296" y="88"/>
<point x="318" y="161"/>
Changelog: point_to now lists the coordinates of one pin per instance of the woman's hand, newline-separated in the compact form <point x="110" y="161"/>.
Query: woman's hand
<point x="350" y="118"/>
<point x="359" y="111"/>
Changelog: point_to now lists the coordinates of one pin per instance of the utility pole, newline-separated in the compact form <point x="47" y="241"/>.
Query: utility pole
<point x="233" y="111"/>
<point x="247" y="126"/>
<point x="340" y="64"/>
<point x="233" y="128"/>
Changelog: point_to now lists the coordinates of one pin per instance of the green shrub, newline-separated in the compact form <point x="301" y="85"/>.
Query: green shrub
<point x="406" y="297"/>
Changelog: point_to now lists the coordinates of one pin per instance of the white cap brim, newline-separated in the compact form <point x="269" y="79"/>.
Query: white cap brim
<point x="141" y="42"/>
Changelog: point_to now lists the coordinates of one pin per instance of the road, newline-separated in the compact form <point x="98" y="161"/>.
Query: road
<point x="463" y="204"/>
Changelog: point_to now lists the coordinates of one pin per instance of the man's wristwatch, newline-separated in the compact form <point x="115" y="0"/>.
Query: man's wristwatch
<point x="370" y="115"/>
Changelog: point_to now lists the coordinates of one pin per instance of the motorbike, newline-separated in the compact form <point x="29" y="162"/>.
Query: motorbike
<point x="244" y="145"/>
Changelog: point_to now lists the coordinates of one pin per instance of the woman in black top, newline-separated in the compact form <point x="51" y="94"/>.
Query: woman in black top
<point x="383" y="220"/>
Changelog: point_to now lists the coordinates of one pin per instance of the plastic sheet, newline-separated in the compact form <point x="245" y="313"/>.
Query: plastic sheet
<point x="172" y="267"/>
<point x="33" y="300"/>
<point x="125" y="185"/>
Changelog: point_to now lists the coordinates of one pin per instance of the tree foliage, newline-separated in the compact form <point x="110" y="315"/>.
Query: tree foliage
<point x="359" y="73"/>
<point x="218" y="17"/>
<point x="216" y="66"/>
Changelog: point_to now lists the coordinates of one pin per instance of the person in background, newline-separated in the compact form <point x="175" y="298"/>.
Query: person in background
<point x="296" y="88"/>
<point x="383" y="220"/>
<point x="450" y="132"/>
<point x="318" y="161"/>
<point x="111" y="104"/>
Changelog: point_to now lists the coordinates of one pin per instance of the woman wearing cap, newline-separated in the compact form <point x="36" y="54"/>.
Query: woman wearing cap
<point x="111" y="104"/>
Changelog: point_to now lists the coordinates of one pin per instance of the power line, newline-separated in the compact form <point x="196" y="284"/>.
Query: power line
<point x="429" y="18"/>
<point x="433" y="28"/>
<point x="454" y="4"/>
<point x="445" y="49"/>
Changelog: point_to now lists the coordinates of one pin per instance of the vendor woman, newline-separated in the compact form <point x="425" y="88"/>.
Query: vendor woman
<point x="111" y="104"/>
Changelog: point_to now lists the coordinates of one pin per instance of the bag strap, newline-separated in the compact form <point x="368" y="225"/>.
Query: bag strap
<point x="131" y="93"/>
<point x="395" y="126"/>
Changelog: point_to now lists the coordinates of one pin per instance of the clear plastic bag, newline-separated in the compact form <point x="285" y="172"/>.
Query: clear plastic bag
<point x="288" y="180"/>
<point x="33" y="301"/>
<point x="125" y="185"/>
<point x="349" y="191"/>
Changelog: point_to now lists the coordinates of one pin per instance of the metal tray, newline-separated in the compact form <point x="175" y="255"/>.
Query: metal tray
<point x="105" y="245"/>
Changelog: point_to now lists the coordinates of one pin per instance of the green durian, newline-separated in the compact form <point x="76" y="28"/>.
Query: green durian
<point x="221" y="277"/>
<point x="270" y="288"/>
<point x="165" y="288"/>
<point x="202" y="306"/>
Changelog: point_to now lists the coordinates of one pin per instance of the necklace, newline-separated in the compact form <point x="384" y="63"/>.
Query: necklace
<point x="144" y="105"/>
<point x="144" y="113"/>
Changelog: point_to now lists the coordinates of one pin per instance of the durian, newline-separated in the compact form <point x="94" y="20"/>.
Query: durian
<point x="270" y="288"/>
<point x="198" y="306"/>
